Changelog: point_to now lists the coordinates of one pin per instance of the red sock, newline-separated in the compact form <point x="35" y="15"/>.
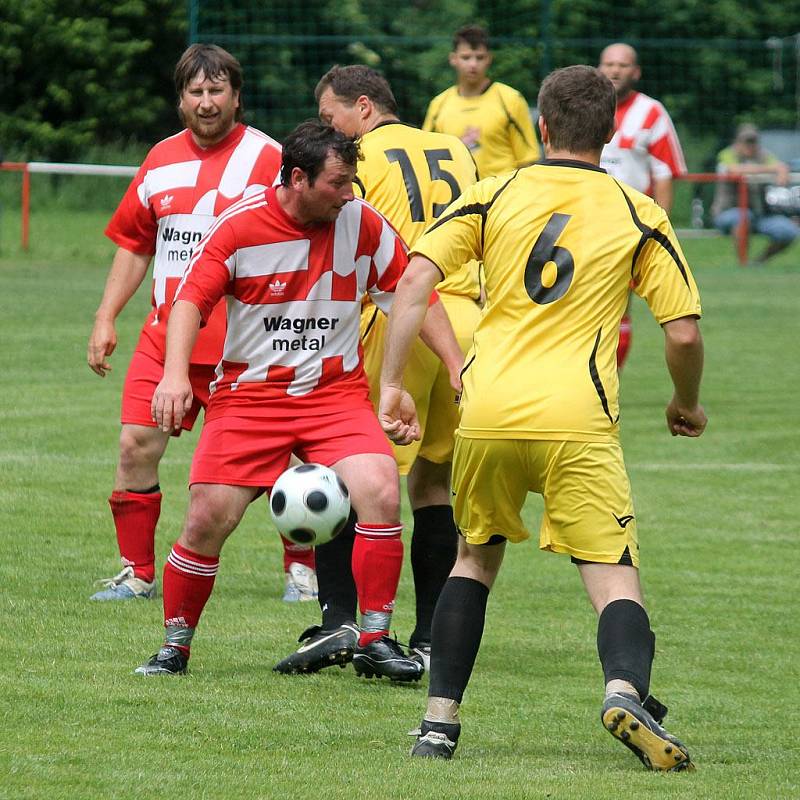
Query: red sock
<point x="135" y="518"/>
<point x="625" y="336"/>
<point x="300" y="553"/>
<point x="377" y="561"/>
<point x="188" y="581"/>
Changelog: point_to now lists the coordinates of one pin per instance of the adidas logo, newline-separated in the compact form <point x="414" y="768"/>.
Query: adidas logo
<point x="166" y="200"/>
<point x="277" y="288"/>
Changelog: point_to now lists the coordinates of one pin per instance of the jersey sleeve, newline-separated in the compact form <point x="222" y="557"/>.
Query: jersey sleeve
<point x="430" y="115"/>
<point x="388" y="258"/>
<point x="206" y="278"/>
<point x="664" y="149"/>
<point x="522" y="136"/>
<point x="455" y="238"/>
<point x="662" y="277"/>
<point x="133" y="225"/>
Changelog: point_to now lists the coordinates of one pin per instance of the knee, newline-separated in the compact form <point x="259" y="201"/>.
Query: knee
<point x="206" y="527"/>
<point x="383" y="491"/>
<point x="136" y="449"/>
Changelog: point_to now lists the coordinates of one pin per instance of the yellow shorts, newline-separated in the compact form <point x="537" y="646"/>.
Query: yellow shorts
<point x="425" y="379"/>
<point x="588" y="510"/>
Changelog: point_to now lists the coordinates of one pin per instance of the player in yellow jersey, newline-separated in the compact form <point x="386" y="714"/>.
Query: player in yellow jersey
<point x="491" y="118"/>
<point x="410" y="176"/>
<point x="560" y="242"/>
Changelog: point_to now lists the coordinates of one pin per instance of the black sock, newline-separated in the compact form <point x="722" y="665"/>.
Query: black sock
<point x="337" y="589"/>
<point x="433" y="553"/>
<point x="451" y="730"/>
<point x="626" y="645"/>
<point x="457" y="631"/>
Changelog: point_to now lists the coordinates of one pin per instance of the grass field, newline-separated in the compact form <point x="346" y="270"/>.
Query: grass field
<point x="718" y="525"/>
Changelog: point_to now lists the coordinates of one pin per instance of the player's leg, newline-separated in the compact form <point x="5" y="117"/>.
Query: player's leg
<point x="191" y="569"/>
<point x="457" y="631"/>
<point x="589" y="515"/>
<point x="236" y="456"/>
<point x="434" y="543"/>
<point x="135" y="501"/>
<point x="626" y="646"/>
<point x="490" y="485"/>
<point x="334" y="640"/>
<point x="299" y="567"/>
<point x="435" y="537"/>
<point x="350" y="440"/>
<point x="377" y="561"/>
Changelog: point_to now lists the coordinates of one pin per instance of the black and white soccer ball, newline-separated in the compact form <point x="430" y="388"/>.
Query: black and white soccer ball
<point x="309" y="504"/>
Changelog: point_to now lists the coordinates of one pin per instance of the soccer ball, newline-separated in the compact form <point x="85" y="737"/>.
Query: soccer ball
<point x="309" y="504"/>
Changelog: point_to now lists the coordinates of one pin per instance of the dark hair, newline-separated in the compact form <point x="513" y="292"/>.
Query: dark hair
<point x="578" y="105"/>
<point x="309" y="144"/>
<point x="351" y="82"/>
<point x="214" y="63"/>
<point x="471" y="35"/>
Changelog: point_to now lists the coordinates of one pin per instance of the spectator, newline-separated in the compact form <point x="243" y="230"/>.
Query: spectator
<point x="746" y="157"/>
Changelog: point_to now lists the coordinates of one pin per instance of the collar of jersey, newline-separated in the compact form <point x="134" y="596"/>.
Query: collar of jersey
<point x="231" y="139"/>
<point x="392" y="122"/>
<point x="569" y="162"/>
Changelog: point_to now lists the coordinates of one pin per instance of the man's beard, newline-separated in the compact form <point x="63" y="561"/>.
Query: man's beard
<point x="223" y="122"/>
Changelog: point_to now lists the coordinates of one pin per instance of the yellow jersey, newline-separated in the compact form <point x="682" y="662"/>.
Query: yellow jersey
<point x="502" y="123"/>
<point x="561" y="242"/>
<point x="411" y="176"/>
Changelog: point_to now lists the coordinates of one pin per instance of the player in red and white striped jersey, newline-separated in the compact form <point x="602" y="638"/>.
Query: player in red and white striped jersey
<point x="293" y="264"/>
<point x="644" y="152"/>
<point x="180" y="189"/>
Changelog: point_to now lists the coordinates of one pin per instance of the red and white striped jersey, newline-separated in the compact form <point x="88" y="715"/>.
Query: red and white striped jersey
<point x="294" y="298"/>
<point x="645" y="145"/>
<point x="179" y="190"/>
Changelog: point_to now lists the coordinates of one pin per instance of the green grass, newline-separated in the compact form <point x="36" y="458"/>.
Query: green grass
<point x="718" y="527"/>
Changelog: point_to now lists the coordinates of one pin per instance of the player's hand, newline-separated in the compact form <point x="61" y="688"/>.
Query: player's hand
<point x="455" y="382"/>
<point x="398" y="415"/>
<point x="471" y="136"/>
<point x="683" y="421"/>
<point x="172" y="400"/>
<point x="102" y="342"/>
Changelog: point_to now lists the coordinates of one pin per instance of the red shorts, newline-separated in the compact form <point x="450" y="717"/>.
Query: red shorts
<point x="253" y="450"/>
<point x="144" y="374"/>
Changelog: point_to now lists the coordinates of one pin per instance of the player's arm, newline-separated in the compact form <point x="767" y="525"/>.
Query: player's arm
<point x="683" y="347"/>
<point x="430" y="116"/>
<point x="127" y="272"/>
<point x="438" y="334"/>
<point x="663" y="193"/>
<point x="663" y="279"/>
<point x="202" y="287"/>
<point x="524" y="143"/>
<point x="173" y="395"/>
<point x="396" y="411"/>
<point x="666" y="159"/>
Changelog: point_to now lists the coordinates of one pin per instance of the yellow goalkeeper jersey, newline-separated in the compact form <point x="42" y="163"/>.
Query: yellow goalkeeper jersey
<point x="500" y="119"/>
<point x="561" y="242"/>
<point x="411" y="176"/>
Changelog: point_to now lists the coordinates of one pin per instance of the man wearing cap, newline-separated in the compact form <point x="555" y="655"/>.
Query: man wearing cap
<point x="746" y="157"/>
